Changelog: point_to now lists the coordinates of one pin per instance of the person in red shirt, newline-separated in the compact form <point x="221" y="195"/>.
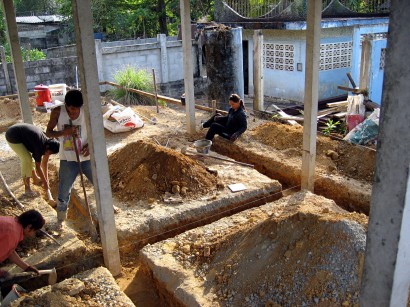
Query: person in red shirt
<point x="12" y="232"/>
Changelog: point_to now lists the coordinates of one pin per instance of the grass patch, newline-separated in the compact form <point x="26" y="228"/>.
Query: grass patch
<point x="138" y="79"/>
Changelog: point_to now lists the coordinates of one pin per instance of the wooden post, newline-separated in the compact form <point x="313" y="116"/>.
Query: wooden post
<point x="213" y="105"/>
<point x="365" y="63"/>
<point x="88" y="70"/>
<point x="18" y="65"/>
<point x="155" y="89"/>
<point x="311" y="94"/>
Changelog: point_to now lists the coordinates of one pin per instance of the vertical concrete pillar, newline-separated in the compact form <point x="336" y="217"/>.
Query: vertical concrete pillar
<point x="162" y="38"/>
<point x="386" y="263"/>
<point x="5" y="70"/>
<point x="251" y="88"/>
<point x="92" y="104"/>
<point x="314" y="15"/>
<point x="188" y="65"/>
<point x="100" y="67"/>
<point x="199" y="57"/>
<point x="237" y="53"/>
<point x="258" y="70"/>
<point x="401" y="280"/>
<point x="18" y="65"/>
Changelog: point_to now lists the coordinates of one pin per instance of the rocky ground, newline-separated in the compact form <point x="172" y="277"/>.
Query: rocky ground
<point x="334" y="157"/>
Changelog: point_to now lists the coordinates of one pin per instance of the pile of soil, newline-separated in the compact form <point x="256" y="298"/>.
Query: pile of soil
<point x="333" y="156"/>
<point x="302" y="250"/>
<point x="144" y="170"/>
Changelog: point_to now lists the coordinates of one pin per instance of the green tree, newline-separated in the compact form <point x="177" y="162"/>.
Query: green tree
<point x="137" y="18"/>
<point x="37" y="7"/>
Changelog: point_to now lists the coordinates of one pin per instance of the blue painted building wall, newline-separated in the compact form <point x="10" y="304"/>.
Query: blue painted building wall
<point x="289" y="85"/>
<point x="376" y="72"/>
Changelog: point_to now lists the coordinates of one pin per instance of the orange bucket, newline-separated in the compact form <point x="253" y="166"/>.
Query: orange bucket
<point x="42" y="94"/>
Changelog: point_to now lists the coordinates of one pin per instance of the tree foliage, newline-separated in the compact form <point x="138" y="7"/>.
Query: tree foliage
<point x="120" y="19"/>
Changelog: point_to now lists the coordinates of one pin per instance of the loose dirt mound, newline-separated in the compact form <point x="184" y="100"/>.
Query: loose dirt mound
<point x="332" y="155"/>
<point x="301" y="250"/>
<point x="144" y="170"/>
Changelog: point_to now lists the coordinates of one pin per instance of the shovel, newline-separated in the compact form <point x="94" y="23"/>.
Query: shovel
<point x="23" y="276"/>
<point x="93" y="229"/>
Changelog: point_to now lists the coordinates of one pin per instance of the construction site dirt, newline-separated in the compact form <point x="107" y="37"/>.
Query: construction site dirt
<point x="187" y="239"/>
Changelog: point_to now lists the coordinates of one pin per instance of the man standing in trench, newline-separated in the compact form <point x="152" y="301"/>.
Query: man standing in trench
<point x="70" y="122"/>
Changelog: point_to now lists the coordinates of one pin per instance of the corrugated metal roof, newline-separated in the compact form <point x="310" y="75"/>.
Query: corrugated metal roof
<point x="39" y="19"/>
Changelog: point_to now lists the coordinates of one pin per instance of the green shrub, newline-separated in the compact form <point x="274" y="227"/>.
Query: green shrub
<point x="27" y="54"/>
<point x="331" y="126"/>
<point x="138" y="79"/>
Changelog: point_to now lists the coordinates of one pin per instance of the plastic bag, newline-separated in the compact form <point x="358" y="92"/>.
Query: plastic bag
<point x="120" y="119"/>
<point x="366" y="131"/>
<point x="355" y="111"/>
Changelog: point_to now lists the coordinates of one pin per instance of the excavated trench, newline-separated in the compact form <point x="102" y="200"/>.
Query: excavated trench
<point x="283" y="251"/>
<point x="301" y="250"/>
<point x="296" y="250"/>
<point x="344" y="172"/>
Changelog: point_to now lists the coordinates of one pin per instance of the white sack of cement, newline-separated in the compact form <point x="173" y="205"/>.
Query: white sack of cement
<point x="119" y="119"/>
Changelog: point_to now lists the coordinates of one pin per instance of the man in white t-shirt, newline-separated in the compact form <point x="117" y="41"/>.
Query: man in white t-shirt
<point x="70" y="122"/>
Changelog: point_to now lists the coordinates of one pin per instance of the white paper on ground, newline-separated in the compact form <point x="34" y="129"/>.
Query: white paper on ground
<point x="237" y="187"/>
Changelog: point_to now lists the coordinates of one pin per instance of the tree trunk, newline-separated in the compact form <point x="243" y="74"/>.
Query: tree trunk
<point x="162" y="17"/>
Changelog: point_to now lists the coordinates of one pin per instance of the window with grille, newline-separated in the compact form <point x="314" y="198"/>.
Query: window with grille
<point x="335" y="55"/>
<point x="382" y="58"/>
<point x="279" y="56"/>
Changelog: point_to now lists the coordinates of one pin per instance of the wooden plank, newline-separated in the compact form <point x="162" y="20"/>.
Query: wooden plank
<point x="340" y="115"/>
<point x="283" y="114"/>
<point x="351" y="80"/>
<point x="336" y="104"/>
<point x="353" y="90"/>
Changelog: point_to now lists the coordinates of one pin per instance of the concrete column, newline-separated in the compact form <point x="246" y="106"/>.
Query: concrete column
<point x="18" y="65"/>
<point x="237" y="53"/>
<point x="386" y="264"/>
<point x="258" y="70"/>
<point x="100" y="63"/>
<point x="188" y="65"/>
<point x="162" y="38"/>
<point x="401" y="280"/>
<point x="5" y="70"/>
<point x="92" y="104"/>
<point x="311" y="94"/>
<point x="199" y="57"/>
<point x="251" y="88"/>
